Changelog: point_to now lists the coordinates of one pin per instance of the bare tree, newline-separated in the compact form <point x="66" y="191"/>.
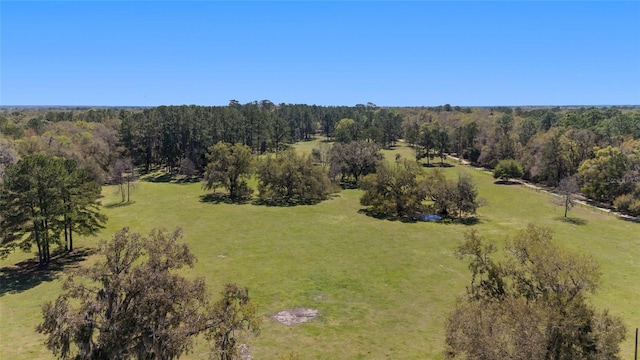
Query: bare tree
<point x="187" y="167"/>
<point x="567" y="189"/>
<point x="8" y="156"/>
<point x="123" y="175"/>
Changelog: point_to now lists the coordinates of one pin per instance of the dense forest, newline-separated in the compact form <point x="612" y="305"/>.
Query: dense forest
<point x="597" y="146"/>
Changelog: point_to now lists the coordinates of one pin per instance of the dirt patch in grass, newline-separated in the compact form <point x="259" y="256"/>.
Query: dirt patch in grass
<point x="295" y="316"/>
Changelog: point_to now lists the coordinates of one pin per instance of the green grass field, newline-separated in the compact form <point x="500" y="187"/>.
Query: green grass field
<point x="383" y="288"/>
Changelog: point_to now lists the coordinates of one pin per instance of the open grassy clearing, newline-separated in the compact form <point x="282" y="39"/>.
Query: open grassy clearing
<point x="383" y="288"/>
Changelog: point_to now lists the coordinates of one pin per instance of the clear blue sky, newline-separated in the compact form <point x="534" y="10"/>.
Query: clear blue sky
<point x="326" y="53"/>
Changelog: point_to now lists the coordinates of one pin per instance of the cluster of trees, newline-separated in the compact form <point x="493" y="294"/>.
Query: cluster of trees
<point x="382" y="127"/>
<point x="395" y="190"/>
<point x="45" y="200"/>
<point x="110" y="313"/>
<point x="613" y="175"/>
<point x="599" y="146"/>
<point x="432" y="138"/>
<point x="401" y="190"/>
<point x="94" y="146"/>
<point x="288" y="179"/>
<point x="531" y="305"/>
<point x="167" y="135"/>
<point x="292" y="179"/>
<point x="178" y="137"/>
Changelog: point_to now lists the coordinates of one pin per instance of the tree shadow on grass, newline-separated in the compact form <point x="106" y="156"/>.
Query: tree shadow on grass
<point x="222" y="198"/>
<point x="570" y="220"/>
<point x="159" y="178"/>
<point x="506" y="182"/>
<point x="286" y="202"/>
<point x="383" y="216"/>
<point x="348" y="185"/>
<point x="471" y="220"/>
<point x="467" y="221"/>
<point x="29" y="274"/>
<point x="183" y="179"/>
<point x="438" y="165"/>
<point x="629" y="218"/>
<point x="119" y="204"/>
<point x="168" y="178"/>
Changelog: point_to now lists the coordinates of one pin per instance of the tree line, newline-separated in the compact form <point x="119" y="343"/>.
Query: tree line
<point x="597" y="146"/>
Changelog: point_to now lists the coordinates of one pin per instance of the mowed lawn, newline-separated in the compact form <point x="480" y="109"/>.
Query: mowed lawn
<point x="383" y="288"/>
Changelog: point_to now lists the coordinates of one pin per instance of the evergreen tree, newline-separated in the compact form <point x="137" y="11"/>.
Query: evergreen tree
<point x="42" y="198"/>
<point x="32" y="206"/>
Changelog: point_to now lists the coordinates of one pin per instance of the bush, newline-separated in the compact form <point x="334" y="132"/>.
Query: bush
<point x="508" y="169"/>
<point x="627" y="203"/>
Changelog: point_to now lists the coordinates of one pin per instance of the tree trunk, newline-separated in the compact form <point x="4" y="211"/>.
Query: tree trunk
<point x="70" y="239"/>
<point x="45" y="243"/>
<point x="40" y="253"/>
<point x="66" y="233"/>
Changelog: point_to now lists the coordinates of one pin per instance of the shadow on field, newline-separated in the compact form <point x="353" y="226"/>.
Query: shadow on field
<point x="438" y="165"/>
<point x="507" y="182"/>
<point x="570" y="220"/>
<point x="160" y="178"/>
<point x="221" y="198"/>
<point x="119" y="204"/>
<point x="168" y="178"/>
<point x="471" y="220"/>
<point x="28" y="274"/>
<point x="468" y="221"/>
<point x="286" y="202"/>
<point x="382" y="216"/>
<point x="629" y="218"/>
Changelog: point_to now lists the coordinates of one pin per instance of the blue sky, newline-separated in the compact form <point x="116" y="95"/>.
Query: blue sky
<point x="326" y="53"/>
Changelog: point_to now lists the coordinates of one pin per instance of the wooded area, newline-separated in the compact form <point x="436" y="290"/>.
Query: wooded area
<point x="599" y="146"/>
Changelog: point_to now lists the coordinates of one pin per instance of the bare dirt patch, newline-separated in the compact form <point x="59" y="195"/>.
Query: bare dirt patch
<point x="295" y="316"/>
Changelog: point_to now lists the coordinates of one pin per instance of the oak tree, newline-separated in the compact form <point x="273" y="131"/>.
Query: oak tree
<point x="395" y="190"/>
<point x="354" y="159"/>
<point x="292" y="179"/>
<point x="229" y="167"/>
<point x="134" y="303"/>
<point x="533" y="305"/>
